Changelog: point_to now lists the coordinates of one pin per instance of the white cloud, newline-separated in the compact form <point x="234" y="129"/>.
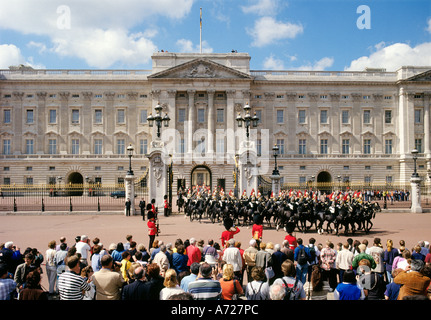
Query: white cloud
<point x="319" y="65"/>
<point x="272" y="63"/>
<point x="187" y="46"/>
<point x="10" y="55"/>
<point x="262" y="7"/>
<point x="429" y="26"/>
<point x="267" y="31"/>
<point x="393" y="57"/>
<point x="99" y="32"/>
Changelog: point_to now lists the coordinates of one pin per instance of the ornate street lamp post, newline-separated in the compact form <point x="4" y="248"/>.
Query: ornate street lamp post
<point x="130" y="150"/>
<point x="248" y="120"/>
<point x="415" y="157"/>
<point x="275" y="150"/>
<point x="158" y="119"/>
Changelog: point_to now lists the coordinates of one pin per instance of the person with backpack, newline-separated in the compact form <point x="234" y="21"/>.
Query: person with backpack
<point x="302" y="258"/>
<point x="294" y="289"/>
<point x="314" y="256"/>
<point x="258" y="289"/>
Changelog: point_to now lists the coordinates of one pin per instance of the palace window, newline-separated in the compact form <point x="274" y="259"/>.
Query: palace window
<point x="367" y="117"/>
<point x="121" y="119"/>
<point x="302" y="146"/>
<point x="121" y="146"/>
<point x="418" y="116"/>
<point x="324" y="146"/>
<point x="346" y="146"/>
<point x="98" y="144"/>
<point x="6" y="116"/>
<point x="75" y="116"/>
<point x="143" y="146"/>
<point x="345" y="117"/>
<point x="280" y="145"/>
<point x="418" y="145"/>
<point x="98" y="116"/>
<point x="143" y="116"/>
<point x="29" y="146"/>
<point x="52" y="116"/>
<point x="220" y="115"/>
<point x="181" y="115"/>
<point x="301" y="117"/>
<point x="367" y="146"/>
<point x="280" y="116"/>
<point x="52" y="146"/>
<point x="75" y="146"/>
<point x="6" y="146"/>
<point x="323" y="116"/>
<point x="30" y="116"/>
<point x="388" y="116"/>
<point x="388" y="146"/>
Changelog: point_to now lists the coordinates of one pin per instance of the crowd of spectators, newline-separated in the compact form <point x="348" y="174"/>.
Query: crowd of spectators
<point x="192" y="269"/>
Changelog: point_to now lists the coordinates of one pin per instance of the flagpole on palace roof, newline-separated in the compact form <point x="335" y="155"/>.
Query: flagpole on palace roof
<point x="201" y="30"/>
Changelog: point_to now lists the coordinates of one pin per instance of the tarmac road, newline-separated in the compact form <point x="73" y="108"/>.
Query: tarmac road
<point x="37" y="230"/>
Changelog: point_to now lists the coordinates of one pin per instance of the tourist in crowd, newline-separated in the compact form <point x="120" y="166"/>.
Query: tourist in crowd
<point x="348" y="289"/>
<point x="413" y="282"/>
<point x="257" y="288"/>
<point x="108" y="280"/>
<point x="171" y="285"/>
<point x="388" y="258"/>
<point x="230" y="285"/>
<point x="291" y="282"/>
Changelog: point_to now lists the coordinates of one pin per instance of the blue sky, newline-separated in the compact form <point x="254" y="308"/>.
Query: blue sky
<point x="278" y="34"/>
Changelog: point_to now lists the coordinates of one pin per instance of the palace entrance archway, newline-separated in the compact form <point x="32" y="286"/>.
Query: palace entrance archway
<point x="201" y="176"/>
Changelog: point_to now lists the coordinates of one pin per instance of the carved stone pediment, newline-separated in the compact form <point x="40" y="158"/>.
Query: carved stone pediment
<point x="424" y="76"/>
<point x="200" y="69"/>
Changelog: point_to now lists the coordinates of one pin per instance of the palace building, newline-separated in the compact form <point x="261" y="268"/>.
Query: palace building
<point x="329" y="126"/>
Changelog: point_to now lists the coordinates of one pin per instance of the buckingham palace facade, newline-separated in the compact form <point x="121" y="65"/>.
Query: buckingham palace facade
<point x="76" y="125"/>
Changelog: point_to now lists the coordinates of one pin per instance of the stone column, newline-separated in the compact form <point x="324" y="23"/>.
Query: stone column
<point x="191" y="119"/>
<point x="109" y="122"/>
<point x="64" y="122"/>
<point x="427" y="150"/>
<point x="230" y="124"/>
<point x="211" y="120"/>
<point x="313" y="124"/>
<point x="41" y="122"/>
<point x="131" y="113"/>
<point x="86" y="123"/>
<point x="336" y="125"/>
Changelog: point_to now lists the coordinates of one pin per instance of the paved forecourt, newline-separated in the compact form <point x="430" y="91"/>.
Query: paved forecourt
<point x="37" y="230"/>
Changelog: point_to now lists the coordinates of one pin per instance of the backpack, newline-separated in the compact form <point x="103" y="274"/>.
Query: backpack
<point x="290" y="292"/>
<point x="255" y="295"/>
<point x="302" y="256"/>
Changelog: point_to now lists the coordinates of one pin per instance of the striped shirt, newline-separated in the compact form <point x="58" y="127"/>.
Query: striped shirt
<point x="71" y="286"/>
<point x="205" y="289"/>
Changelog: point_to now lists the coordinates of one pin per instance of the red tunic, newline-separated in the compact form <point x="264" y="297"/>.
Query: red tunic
<point x="227" y="235"/>
<point x="152" y="228"/>
<point x="257" y="231"/>
<point x="292" y="241"/>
